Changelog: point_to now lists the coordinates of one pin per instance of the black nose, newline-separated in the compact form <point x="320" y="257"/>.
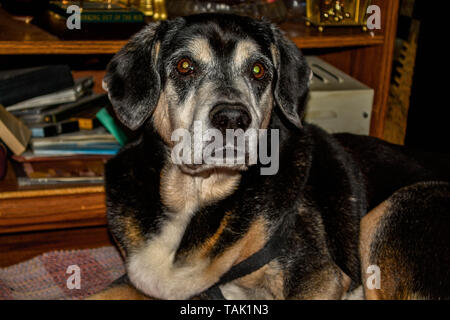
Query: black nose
<point x="229" y="116"/>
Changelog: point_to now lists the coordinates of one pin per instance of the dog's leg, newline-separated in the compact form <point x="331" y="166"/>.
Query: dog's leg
<point x="369" y="225"/>
<point x="120" y="292"/>
<point x="121" y="289"/>
<point x="329" y="283"/>
<point x="405" y="245"/>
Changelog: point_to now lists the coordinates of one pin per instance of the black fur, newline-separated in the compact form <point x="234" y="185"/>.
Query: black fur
<point x="412" y="242"/>
<point x="133" y="79"/>
<point x="293" y="77"/>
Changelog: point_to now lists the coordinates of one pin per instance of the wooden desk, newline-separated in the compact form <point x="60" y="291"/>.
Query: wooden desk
<point x="33" y="221"/>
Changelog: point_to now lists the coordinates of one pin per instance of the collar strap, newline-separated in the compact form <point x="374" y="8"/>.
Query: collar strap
<point x="271" y="250"/>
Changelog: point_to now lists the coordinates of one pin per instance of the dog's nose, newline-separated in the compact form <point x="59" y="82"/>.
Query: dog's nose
<point x="228" y="116"/>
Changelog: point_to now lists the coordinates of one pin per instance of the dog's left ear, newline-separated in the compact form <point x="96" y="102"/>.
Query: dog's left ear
<point x="293" y="77"/>
<point x="132" y="79"/>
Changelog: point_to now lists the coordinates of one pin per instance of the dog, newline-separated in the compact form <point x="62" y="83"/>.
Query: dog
<point x="339" y="205"/>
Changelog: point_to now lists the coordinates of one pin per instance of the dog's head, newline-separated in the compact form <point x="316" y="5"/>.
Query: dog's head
<point x="219" y="71"/>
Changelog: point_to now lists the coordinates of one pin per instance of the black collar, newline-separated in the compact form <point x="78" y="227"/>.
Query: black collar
<point x="271" y="250"/>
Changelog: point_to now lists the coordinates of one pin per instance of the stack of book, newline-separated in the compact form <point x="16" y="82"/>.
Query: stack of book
<point x="50" y="123"/>
<point x="98" y="19"/>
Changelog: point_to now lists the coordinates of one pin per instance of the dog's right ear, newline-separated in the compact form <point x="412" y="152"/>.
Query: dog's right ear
<point x="132" y="80"/>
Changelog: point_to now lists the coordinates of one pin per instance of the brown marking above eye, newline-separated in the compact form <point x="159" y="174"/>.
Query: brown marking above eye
<point x="258" y="71"/>
<point x="185" y="66"/>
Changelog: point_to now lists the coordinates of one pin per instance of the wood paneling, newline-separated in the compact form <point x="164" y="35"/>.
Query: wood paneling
<point x="40" y="208"/>
<point x="55" y="212"/>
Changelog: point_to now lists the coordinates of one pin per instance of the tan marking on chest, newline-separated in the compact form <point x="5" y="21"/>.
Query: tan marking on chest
<point x="211" y="241"/>
<point x="152" y="268"/>
<point x="250" y="243"/>
<point x="182" y="192"/>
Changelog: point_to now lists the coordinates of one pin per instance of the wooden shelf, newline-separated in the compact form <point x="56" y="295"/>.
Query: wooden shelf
<point x="50" y="207"/>
<point x="18" y="37"/>
<point x="60" y="47"/>
<point x="309" y="37"/>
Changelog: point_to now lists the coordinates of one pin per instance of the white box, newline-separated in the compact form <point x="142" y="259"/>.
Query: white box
<point x="338" y="102"/>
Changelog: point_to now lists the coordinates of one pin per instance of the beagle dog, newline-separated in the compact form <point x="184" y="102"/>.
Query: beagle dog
<point x="341" y="214"/>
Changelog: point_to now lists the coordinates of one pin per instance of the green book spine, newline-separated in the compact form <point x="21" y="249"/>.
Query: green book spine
<point x="117" y="17"/>
<point x="108" y="122"/>
<point x="100" y="16"/>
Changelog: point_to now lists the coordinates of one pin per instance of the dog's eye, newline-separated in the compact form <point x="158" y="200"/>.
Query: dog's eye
<point x="185" y="66"/>
<point x="258" y="71"/>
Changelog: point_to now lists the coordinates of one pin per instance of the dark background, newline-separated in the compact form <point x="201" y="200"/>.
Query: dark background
<point x="428" y="119"/>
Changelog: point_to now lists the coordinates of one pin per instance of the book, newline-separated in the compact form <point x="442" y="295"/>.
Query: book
<point x="22" y="84"/>
<point x="76" y="150"/>
<point x="29" y="156"/>
<point x="99" y="11"/>
<point x="32" y="116"/>
<point x="87" y="119"/>
<point x="60" y="172"/>
<point x="67" y="111"/>
<point x="99" y="20"/>
<point x="108" y="122"/>
<point x="86" y="123"/>
<point x="87" y="142"/>
<point x="13" y="132"/>
<point x="49" y="130"/>
<point x="100" y="135"/>
<point x="81" y="87"/>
